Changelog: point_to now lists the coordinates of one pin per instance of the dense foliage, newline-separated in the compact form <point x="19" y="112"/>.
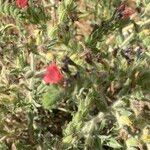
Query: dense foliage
<point x="75" y="75"/>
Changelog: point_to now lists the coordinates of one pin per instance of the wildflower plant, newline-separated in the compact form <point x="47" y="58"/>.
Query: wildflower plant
<point x="74" y="75"/>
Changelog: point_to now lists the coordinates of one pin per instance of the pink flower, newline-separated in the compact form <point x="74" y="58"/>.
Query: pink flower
<point x="22" y="3"/>
<point x="53" y="74"/>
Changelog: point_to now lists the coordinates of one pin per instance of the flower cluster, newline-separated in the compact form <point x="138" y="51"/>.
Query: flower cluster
<point x="53" y="74"/>
<point x="22" y="3"/>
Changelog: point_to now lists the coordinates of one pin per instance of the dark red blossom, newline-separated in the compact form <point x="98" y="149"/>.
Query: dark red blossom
<point x="53" y="74"/>
<point x="121" y="8"/>
<point x="22" y="3"/>
<point x="124" y="12"/>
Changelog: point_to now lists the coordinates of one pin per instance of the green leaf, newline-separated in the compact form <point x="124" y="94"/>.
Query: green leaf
<point x="132" y="142"/>
<point x="51" y="97"/>
<point x="113" y="143"/>
<point x="144" y="80"/>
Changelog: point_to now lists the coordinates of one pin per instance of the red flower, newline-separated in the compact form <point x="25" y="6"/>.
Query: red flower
<point x="128" y="12"/>
<point x="53" y="74"/>
<point x="22" y="3"/>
